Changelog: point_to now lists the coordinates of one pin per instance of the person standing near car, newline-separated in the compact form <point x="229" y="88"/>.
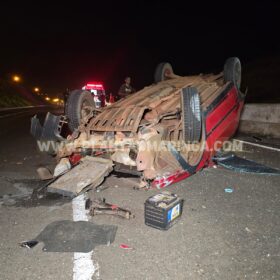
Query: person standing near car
<point x="126" y="88"/>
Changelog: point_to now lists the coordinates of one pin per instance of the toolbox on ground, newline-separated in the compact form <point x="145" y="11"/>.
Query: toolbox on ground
<point x="163" y="210"/>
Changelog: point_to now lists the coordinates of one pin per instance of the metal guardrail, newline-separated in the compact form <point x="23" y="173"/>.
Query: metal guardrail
<point x="20" y="108"/>
<point x="9" y="112"/>
<point x="261" y="119"/>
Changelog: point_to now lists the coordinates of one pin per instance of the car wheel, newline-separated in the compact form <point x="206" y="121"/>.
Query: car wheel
<point x="191" y="115"/>
<point x="232" y="71"/>
<point x="79" y="105"/>
<point x="162" y="71"/>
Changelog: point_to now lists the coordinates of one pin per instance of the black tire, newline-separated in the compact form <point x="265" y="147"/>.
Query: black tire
<point x="232" y="71"/>
<point x="191" y="115"/>
<point x="161" y="71"/>
<point x="79" y="104"/>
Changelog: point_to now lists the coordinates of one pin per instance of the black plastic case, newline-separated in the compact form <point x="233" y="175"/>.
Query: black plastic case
<point x="163" y="210"/>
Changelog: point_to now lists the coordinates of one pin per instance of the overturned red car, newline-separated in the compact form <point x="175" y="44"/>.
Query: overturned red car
<point x="167" y="131"/>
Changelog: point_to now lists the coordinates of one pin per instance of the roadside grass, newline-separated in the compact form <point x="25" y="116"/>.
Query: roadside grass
<point x="12" y="100"/>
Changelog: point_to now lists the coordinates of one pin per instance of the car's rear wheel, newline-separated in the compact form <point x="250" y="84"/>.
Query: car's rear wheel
<point x="232" y="71"/>
<point x="163" y="71"/>
<point x="191" y="115"/>
<point x="79" y="106"/>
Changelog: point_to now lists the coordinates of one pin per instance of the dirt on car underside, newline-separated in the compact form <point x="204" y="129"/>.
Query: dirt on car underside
<point x="149" y="117"/>
<point x="162" y="131"/>
<point x="154" y="104"/>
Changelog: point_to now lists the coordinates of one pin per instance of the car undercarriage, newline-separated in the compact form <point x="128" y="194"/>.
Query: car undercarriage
<point x="166" y="131"/>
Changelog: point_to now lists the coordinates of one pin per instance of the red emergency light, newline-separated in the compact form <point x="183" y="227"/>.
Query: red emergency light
<point x="96" y="86"/>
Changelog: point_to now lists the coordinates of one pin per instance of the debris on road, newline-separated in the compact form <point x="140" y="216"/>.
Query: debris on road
<point x="228" y="190"/>
<point x="248" y="230"/>
<point x="69" y="236"/>
<point x="241" y="165"/>
<point x="101" y="188"/>
<point x="44" y="173"/>
<point x="63" y="166"/>
<point x="29" y="244"/>
<point x="89" y="173"/>
<point x="8" y="200"/>
<point x="100" y="206"/>
<point x="125" y="246"/>
<point x="163" y="210"/>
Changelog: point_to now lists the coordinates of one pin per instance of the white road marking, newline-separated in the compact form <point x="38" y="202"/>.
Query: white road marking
<point x="258" y="145"/>
<point x="84" y="268"/>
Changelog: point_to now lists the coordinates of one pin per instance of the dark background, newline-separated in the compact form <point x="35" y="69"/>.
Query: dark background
<point x="64" y="45"/>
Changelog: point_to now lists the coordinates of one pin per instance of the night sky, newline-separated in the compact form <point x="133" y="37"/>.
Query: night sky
<point x="57" y="46"/>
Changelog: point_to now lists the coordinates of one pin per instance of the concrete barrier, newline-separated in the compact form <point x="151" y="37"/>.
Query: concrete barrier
<point x="261" y="119"/>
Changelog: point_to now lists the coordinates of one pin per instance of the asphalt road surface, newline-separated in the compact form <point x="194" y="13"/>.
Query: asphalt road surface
<point x="219" y="236"/>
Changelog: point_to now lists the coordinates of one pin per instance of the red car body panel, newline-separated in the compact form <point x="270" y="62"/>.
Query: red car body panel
<point x="221" y="123"/>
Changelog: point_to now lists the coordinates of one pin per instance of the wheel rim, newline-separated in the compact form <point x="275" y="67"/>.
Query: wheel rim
<point x="167" y="72"/>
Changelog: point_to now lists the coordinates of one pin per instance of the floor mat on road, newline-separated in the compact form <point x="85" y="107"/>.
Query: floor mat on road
<point x="81" y="236"/>
<point x="242" y="165"/>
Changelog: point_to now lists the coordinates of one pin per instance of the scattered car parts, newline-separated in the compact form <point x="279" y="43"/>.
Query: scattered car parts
<point x="86" y="175"/>
<point x="100" y="206"/>
<point x="242" y="165"/>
